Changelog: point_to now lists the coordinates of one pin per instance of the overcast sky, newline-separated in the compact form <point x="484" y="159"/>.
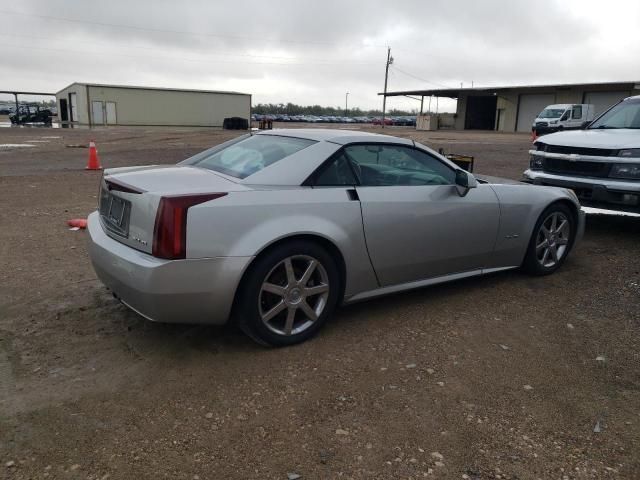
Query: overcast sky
<point x="313" y="52"/>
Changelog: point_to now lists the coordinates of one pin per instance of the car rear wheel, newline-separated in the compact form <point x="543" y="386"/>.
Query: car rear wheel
<point x="288" y="294"/>
<point x="551" y="241"/>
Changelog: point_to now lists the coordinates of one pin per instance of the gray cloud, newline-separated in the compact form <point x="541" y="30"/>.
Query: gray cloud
<point x="313" y="52"/>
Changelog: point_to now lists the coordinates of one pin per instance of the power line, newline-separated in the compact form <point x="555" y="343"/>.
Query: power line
<point x="178" y="32"/>
<point x="93" y="53"/>
<point x="49" y="39"/>
<point x="421" y="54"/>
<point x="395" y="67"/>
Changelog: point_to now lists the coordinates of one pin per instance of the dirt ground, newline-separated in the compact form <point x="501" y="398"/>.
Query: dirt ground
<point x="503" y="377"/>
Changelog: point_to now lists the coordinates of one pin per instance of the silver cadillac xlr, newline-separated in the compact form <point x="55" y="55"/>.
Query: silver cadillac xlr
<point x="275" y="229"/>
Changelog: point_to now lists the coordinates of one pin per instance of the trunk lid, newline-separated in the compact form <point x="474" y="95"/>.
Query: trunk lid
<point x="129" y="198"/>
<point x="174" y="180"/>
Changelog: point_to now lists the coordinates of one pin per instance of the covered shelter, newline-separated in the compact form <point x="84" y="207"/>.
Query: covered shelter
<point x="16" y="93"/>
<point x="514" y="108"/>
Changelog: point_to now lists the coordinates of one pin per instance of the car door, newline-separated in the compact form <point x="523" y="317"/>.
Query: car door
<point x="576" y="116"/>
<point x="416" y="224"/>
<point x="334" y="186"/>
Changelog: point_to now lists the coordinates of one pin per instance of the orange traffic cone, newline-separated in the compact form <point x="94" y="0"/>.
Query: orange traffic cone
<point x="94" y="161"/>
<point x="534" y="135"/>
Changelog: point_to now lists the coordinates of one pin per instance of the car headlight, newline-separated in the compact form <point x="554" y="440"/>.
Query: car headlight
<point x="553" y="122"/>
<point x="625" y="170"/>
<point x="629" y="152"/>
<point x="535" y="162"/>
<point x="541" y="147"/>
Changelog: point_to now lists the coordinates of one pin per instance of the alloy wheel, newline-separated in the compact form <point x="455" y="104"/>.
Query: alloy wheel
<point x="293" y="295"/>
<point x="552" y="239"/>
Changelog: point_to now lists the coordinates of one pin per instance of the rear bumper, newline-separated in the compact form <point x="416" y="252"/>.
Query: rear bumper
<point x="593" y="192"/>
<point x="172" y="291"/>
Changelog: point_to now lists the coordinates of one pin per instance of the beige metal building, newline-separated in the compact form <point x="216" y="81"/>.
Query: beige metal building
<point x="94" y="104"/>
<point x="513" y="109"/>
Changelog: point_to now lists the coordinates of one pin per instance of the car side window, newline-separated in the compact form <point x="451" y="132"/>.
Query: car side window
<point x="379" y="165"/>
<point x="336" y="172"/>
<point x="576" y="113"/>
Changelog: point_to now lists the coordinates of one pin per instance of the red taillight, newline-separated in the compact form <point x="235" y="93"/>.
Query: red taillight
<point x="170" y="231"/>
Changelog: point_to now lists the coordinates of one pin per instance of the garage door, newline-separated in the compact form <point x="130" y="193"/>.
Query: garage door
<point x="603" y="100"/>
<point x="530" y="106"/>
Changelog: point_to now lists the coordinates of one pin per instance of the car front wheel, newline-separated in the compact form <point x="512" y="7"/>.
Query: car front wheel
<point x="288" y="294"/>
<point x="551" y="241"/>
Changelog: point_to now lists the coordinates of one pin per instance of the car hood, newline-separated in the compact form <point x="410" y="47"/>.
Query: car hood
<point x="497" y="180"/>
<point x="606" y="138"/>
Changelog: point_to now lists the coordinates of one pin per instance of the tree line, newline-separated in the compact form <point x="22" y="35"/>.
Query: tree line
<point x="293" y="109"/>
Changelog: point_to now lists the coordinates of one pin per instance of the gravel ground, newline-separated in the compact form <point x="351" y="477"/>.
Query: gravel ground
<point x="506" y="376"/>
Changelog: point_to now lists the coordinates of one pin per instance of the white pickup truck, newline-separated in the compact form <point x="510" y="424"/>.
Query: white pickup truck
<point x="563" y="116"/>
<point x="600" y="163"/>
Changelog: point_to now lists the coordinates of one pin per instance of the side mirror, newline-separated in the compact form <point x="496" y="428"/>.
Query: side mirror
<point x="464" y="182"/>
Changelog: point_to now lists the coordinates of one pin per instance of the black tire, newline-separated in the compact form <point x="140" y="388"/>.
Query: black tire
<point x="535" y="265"/>
<point x="251" y="298"/>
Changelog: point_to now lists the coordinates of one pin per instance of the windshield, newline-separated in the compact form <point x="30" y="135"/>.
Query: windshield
<point x="552" y="113"/>
<point x="625" y="114"/>
<point x="248" y="155"/>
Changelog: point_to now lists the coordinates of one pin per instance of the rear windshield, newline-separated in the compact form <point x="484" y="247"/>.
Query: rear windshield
<point x="249" y="154"/>
<point x="625" y="114"/>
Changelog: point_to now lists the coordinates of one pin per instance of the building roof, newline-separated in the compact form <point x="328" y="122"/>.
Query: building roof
<point x="136" y="87"/>
<point x="18" y="92"/>
<point x="455" y="92"/>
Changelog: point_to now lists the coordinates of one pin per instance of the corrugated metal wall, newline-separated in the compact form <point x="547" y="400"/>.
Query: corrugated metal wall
<point x="156" y="107"/>
<point x="510" y="104"/>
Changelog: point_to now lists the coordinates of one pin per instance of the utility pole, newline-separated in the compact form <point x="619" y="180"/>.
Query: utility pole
<point x="346" y="104"/>
<point x="386" y="76"/>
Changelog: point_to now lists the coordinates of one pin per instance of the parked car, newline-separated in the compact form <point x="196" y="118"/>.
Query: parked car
<point x="564" y="116"/>
<point x="600" y="163"/>
<point x="378" y="121"/>
<point x="276" y="229"/>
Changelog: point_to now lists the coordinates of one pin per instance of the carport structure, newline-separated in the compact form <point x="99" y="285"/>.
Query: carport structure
<point x="15" y="94"/>
<point x="514" y="108"/>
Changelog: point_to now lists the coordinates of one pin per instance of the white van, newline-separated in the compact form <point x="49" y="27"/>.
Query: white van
<point x="563" y="116"/>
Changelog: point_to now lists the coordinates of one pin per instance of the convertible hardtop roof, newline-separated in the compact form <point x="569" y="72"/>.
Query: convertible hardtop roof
<point x="335" y="135"/>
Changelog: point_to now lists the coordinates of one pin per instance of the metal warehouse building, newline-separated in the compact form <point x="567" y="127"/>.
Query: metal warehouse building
<point x="513" y="109"/>
<point x="94" y="104"/>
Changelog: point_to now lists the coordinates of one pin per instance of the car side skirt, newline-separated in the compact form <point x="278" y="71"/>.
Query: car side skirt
<point x="378" y="292"/>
